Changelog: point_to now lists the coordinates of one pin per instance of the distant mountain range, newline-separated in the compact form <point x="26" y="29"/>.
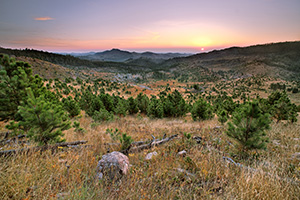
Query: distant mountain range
<point x="117" y="55"/>
<point x="275" y="59"/>
<point x="280" y="60"/>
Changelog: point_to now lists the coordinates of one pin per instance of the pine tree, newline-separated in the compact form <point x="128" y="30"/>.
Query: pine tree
<point x="14" y="79"/>
<point x="44" y="120"/>
<point x="283" y="109"/>
<point x="121" y="107"/>
<point x="248" y="126"/>
<point x="132" y="106"/>
<point x="143" y="102"/>
<point x="201" y="110"/>
<point x="155" y="108"/>
<point x="103" y="115"/>
<point x="71" y="106"/>
<point x="222" y="116"/>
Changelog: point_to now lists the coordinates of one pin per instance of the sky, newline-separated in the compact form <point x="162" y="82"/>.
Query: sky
<point x="188" y="26"/>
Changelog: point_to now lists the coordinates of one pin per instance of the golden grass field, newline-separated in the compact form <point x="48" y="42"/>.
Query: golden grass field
<point x="69" y="173"/>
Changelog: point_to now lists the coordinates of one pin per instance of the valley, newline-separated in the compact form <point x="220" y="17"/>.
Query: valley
<point x="207" y="100"/>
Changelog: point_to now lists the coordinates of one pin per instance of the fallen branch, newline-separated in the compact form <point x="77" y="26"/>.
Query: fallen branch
<point x="40" y="148"/>
<point x="6" y="141"/>
<point x="275" y="176"/>
<point x="149" y="145"/>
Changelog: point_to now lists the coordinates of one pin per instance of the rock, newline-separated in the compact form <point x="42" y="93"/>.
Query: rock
<point x="217" y="127"/>
<point x="182" y="153"/>
<point x="112" y="166"/>
<point x="276" y="142"/>
<point x="185" y="172"/>
<point x="150" y="155"/>
<point x="197" y="139"/>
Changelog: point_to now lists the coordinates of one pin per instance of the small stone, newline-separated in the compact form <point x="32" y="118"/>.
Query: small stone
<point x="217" y="127"/>
<point x="112" y="166"/>
<point x="276" y="142"/>
<point x="150" y="155"/>
<point x="182" y="153"/>
<point x="198" y="139"/>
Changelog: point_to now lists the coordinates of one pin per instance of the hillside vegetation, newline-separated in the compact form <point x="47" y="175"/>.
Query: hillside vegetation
<point x="240" y="133"/>
<point x="280" y="60"/>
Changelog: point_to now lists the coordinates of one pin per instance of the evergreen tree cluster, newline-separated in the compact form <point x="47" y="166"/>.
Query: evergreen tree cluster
<point x="31" y="107"/>
<point x="44" y="112"/>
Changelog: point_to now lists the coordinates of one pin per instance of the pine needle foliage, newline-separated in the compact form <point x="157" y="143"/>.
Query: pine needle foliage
<point x="201" y="110"/>
<point x="44" y="120"/>
<point x="248" y="126"/>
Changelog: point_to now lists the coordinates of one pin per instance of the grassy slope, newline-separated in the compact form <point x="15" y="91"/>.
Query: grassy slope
<point x="277" y="60"/>
<point x="71" y="172"/>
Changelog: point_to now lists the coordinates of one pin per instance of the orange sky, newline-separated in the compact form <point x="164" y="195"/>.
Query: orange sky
<point x="158" y="25"/>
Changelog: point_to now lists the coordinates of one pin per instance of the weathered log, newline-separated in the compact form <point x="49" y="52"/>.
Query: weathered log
<point x="149" y="145"/>
<point x="6" y="141"/>
<point x="40" y="148"/>
<point x="250" y="169"/>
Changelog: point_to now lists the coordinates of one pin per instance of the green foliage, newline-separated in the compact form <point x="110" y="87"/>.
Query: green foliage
<point x="143" y="102"/>
<point x="155" y="108"/>
<point x="201" y="110"/>
<point x="277" y="86"/>
<point x="107" y="101"/>
<point x="281" y="107"/>
<point x="174" y="105"/>
<point x="121" y="107"/>
<point x="132" y="106"/>
<point x="103" y="115"/>
<point x="126" y="141"/>
<point x="77" y="127"/>
<point x="14" y="79"/>
<point x="114" y="134"/>
<point x="222" y="116"/>
<point x="71" y="106"/>
<point x="187" y="135"/>
<point x="45" y="121"/>
<point x="248" y="126"/>
<point x="14" y="127"/>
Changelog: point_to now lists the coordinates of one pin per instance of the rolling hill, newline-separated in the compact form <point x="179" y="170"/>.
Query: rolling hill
<point x="280" y="60"/>
<point x="117" y="55"/>
<point x="277" y="60"/>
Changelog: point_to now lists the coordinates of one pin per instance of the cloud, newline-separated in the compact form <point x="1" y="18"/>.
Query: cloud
<point x="43" y="18"/>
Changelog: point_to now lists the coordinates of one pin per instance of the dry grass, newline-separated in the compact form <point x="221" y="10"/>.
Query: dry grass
<point x="69" y="173"/>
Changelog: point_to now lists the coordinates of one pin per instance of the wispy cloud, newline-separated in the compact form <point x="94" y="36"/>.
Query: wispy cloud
<point x="43" y="18"/>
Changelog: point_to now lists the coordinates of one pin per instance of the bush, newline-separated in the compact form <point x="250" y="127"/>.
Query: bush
<point x="103" y="115"/>
<point x="155" y="108"/>
<point x="44" y="120"/>
<point x="248" y="127"/>
<point x="71" y="106"/>
<point x="126" y="141"/>
<point x="201" y="110"/>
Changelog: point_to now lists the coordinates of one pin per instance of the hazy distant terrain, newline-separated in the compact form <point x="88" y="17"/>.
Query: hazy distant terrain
<point x="173" y="119"/>
<point x="276" y="60"/>
<point x="117" y="55"/>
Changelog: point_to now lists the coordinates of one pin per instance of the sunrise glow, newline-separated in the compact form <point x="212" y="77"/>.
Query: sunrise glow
<point x="162" y="26"/>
